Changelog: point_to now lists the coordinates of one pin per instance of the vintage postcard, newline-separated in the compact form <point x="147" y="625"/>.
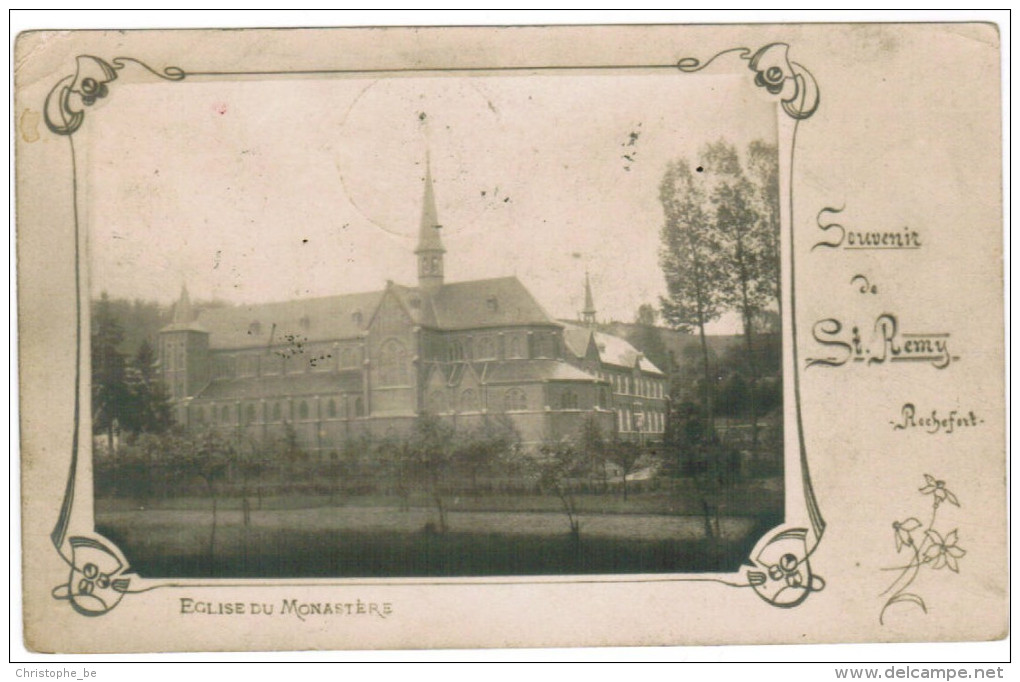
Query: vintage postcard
<point x="510" y="337"/>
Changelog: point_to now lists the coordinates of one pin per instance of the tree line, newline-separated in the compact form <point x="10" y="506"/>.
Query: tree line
<point x="128" y="395"/>
<point x="720" y="252"/>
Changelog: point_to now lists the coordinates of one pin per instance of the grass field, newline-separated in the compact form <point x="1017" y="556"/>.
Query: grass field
<point x="375" y="537"/>
<point x="750" y="498"/>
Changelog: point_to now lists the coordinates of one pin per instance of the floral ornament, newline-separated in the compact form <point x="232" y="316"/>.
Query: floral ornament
<point x="794" y="85"/>
<point x="784" y="577"/>
<point x="938" y="490"/>
<point x="97" y="581"/>
<point x="773" y="70"/>
<point x="91" y="78"/>
<point x="63" y="114"/>
<point x="787" y="570"/>
<point x="943" y="552"/>
<point x="65" y="103"/>
<point x="932" y="550"/>
<point x="902" y="530"/>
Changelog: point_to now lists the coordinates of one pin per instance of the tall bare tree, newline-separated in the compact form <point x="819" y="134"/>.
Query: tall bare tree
<point x="748" y="284"/>
<point x="763" y="172"/>
<point x="690" y="260"/>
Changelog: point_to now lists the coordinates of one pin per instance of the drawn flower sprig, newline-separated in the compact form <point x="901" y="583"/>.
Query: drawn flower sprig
<point x="926" y="544"/>
<point x="938" y="491"/>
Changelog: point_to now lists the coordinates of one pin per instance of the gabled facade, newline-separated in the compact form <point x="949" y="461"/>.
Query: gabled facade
<point x="336" y="367"/>
<point x="639" y="399"/>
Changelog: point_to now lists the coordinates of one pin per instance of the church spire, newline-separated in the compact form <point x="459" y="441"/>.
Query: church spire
<point x="589" y="302"/>
<point x="430" y="247"/>
<point x="182" y="311"/>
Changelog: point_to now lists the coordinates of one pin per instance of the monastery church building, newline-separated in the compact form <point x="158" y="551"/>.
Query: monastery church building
<point x="338" y="367"/>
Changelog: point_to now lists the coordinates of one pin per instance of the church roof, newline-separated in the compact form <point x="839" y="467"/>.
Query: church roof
<point x="483" y="303"/>
<point x="310" y="320"/>
<point x="477" y="304"/>
<point x="310" y="383"/>
<point x="612" y="349"/>
<point x="516" y="371"/>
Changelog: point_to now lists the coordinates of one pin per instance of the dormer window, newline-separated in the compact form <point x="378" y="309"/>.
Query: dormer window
<point x="415" y="302"/>
<point x="492" y="303"/>
<point x="255" y="328"/>
<point x="305" y="322"/>
<point x="356" y="317"/>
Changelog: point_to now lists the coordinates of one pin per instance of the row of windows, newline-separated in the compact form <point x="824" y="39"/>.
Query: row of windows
<point x="629" y="385"/>
<point x="487" y="348"/>
<point x="282" y="362"/>
<point x="513" y="399"/>
<point x="650" y="421"/>
<point x="468" y="400"/>
<point x="277" y="411"/>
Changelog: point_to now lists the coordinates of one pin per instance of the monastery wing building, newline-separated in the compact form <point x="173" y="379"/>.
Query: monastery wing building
<point x="337" y="367"/>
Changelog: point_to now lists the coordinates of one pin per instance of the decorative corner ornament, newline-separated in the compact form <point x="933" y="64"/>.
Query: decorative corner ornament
<point x="97" y="581"/>
<point x="791" y="82"/>
<point x="64" y="110"/>
<point x="781" y="574"/>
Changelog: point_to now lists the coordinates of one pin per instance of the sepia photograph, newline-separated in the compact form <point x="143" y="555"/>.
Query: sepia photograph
<point x="506" y="337"/>
<point x="447" y="326"/>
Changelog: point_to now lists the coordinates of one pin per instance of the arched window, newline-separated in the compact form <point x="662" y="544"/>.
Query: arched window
<point x="456" y="351"/>
<point x="393" y="363"/>
<point x="225" y="414"/>
<point x="359" y="407"/>
<point x="303" y="410"/>
<point x="331" y="408"/>
<point x="486" y="349"/>
<point x="568" y="401"/>
<point x="349" y="358"/>
<point x="515" y="399"/>
<point x="602" y="397"/>
<point x="468" y="400"/>
<point x="200" y="415"/>
<point x="277" y="415"/>
<point x="213" y="413"/>
<point x="437" y="401"/>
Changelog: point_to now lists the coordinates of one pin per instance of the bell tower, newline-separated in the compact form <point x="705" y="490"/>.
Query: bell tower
<point x="430" y="247"/>
<point x="184" y="353"/>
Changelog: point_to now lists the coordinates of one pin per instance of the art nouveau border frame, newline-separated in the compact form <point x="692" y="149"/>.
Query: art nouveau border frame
<point x="778" y="569"/>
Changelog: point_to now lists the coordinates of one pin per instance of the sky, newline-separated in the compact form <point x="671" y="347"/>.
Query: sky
<point x="273" y="189"/>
